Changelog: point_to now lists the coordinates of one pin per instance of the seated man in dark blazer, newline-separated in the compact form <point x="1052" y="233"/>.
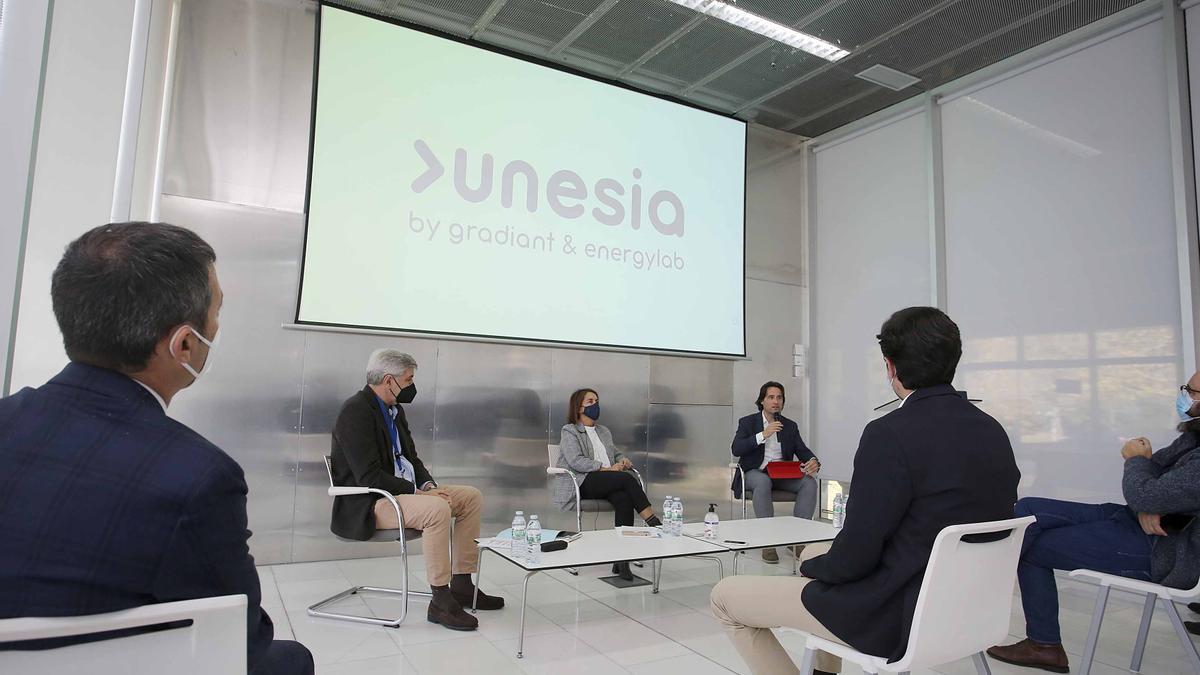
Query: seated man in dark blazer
<point x="935" y="461"/>
<point x="373" y="447"/>
<point x="764" y="437"/>
<point x="105" y="502"/>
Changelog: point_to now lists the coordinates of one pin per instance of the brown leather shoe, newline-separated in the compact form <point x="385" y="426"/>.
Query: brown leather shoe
<point x="770" y="556"/>
<point x="463" y="590"/>
<point x="446" y="611"/>
<point x="1032" y="655"/>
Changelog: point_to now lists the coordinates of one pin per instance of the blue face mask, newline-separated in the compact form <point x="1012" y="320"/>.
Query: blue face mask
<point x="1183" y="406"/>
<point x="593" y="411"/>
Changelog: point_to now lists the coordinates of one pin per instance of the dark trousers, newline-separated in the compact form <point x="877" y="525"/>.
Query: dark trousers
<point x="619" y="488"/>
<point x="285" y="657"/>
<point x="1069" y="536"/>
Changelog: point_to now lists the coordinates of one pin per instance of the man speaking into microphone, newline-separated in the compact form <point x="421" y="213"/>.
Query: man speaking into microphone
<point x="767" y="436"/>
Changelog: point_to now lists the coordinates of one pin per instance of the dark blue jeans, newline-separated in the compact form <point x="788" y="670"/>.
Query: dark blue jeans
<point x="1070" y="536"/>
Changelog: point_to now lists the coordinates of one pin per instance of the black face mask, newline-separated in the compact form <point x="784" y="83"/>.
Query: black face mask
<point x="407" y="394"/>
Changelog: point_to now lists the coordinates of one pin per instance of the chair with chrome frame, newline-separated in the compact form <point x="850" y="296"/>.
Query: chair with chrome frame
<point x="735" y="474"/>
<point x="596" y="506"/>
<point x="402" y="535"/>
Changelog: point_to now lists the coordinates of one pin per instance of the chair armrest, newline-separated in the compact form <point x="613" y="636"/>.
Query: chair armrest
<point x="1135" y="585"/>
<point x="639" y="478"/>
<point x="555" y="470"/>
<point x="342" y="491"/>
<point x="734" y="465"/>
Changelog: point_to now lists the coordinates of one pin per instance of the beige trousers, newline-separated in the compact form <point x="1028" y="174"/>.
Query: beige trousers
<point x="431" y="514"/>
<point x="750" y="606"/>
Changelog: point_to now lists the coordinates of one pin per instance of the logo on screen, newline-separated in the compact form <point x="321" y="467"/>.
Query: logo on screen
<point x="565" y="191"/>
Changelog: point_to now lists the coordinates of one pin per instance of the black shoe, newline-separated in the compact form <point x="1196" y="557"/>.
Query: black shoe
<point x="446" y="611"/>
<point x="622" y="570"/>
<point x="463" y="590"/>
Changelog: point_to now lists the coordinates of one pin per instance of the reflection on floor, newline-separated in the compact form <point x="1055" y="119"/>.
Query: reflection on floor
<point x="582" y="625"/>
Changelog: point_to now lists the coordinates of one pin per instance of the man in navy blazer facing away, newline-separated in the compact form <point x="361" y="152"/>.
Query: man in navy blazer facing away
<point x="105" y="502"/>
<point x="935" y="461"/>
<point x="764" y="437"/>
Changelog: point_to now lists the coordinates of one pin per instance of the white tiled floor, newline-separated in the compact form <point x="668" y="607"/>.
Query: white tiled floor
<point x="582" y="625"/>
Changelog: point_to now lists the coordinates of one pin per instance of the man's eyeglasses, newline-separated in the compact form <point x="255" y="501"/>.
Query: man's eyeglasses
<point x="1193" y="393"/>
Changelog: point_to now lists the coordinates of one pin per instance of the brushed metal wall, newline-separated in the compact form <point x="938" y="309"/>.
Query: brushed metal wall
<point x="484" y="412"/>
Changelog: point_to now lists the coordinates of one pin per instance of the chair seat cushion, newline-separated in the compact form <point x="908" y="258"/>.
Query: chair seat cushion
<point x="594" y="506"/>
<point x="776" y="495"/>
<point x="389" y="535"/>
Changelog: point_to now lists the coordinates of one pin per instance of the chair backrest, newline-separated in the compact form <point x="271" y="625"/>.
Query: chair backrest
<point x="965" y="604"/>
<point x="329" y="469"/>
<point x="552" y="453"/>
<point x="215" y="642"/>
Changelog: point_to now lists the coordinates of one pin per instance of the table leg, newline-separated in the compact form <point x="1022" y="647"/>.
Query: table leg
<point x="478" y="578"/>
<point x="524" y="601"/>
<point x="657" y="575"/>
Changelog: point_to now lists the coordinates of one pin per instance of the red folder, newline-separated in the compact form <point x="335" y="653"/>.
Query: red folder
<point x="785" y="469"/>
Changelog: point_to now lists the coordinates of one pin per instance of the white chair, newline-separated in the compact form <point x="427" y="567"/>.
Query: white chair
<point x="215" y="642"/>
<point x="401" y="535"/>
<point x="964" y="605"/>
<point x="734" y="474"/>
<point x="1153" y="593"/>
<point x="581" y="505"/>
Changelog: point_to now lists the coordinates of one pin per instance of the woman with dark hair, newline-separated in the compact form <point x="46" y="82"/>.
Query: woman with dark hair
<point x="587" y="450"/>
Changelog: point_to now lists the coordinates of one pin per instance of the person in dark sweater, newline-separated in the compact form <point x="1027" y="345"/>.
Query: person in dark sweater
<point x="934" y="462"/>
<point x="1131" y="540"/>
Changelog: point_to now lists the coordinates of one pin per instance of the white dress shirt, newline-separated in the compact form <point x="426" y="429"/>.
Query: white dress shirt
<point x="773" y="450"/>
<point x="599" y="452"/>
<point x="153" y="393"/>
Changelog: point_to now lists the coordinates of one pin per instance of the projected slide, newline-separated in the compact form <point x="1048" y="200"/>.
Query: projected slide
<point x="455" y="190"/>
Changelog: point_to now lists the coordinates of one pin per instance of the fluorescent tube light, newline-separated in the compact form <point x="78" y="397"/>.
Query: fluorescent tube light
<point x="765" y="27"/>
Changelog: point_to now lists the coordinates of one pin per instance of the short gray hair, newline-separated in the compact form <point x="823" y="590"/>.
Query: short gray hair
<point x="384" y="362"/>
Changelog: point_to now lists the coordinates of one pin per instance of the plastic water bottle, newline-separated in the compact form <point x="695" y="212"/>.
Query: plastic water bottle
<point x="839" y="511"/>
<point x="711" y="522"/>
<point x="677" y="505"/>
<point x="666" y="516"/>
<point x="519" y="545"/>
<point x="533" y="537"/>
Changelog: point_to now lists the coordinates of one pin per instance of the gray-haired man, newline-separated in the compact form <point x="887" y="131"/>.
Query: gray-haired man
<point x="373" y="447"/>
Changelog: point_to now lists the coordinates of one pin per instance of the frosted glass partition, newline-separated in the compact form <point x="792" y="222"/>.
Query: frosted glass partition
<point x="1061" y="262"/>
<point x="871" y="246"/>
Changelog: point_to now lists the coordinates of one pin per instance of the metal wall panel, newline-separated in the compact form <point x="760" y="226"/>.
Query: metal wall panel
<point x="334" y="368"/>
<point x="688" y="456"/>
<point x="249" y="405"/>
<point x="679" y="379"/>
<point x="493" y="403"/>
<point x="780" y="311"/>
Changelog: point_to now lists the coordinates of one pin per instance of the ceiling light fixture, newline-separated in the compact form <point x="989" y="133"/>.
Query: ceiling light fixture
<point x="765" y="27"/>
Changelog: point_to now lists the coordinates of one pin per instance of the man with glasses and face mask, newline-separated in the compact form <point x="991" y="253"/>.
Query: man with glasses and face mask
<point x="373" y="447"/>
<point x="106" y="503"/>
<point x="1150" y="537"/>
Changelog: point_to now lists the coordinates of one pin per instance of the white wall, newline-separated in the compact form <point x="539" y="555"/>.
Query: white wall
<point x="871" y="257"/>
<point x="22" y="43"/>
<point x="1060" y="258"/>
<point x="1061" y="263"/>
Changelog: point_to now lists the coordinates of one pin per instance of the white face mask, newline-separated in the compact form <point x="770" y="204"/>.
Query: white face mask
<point x="212" y="348"/>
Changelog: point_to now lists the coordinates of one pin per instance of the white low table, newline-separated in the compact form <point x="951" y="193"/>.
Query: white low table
<point x="599" y="547"/>
<point x="754" y="533"/>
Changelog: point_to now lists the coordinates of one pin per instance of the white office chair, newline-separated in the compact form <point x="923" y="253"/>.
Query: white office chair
<point x="734" y="474"/>
<point x="215" y="642"/>
<point x="402" y="535"/>
<point x="964" y="605"/>
<point x="1153" y="592"/>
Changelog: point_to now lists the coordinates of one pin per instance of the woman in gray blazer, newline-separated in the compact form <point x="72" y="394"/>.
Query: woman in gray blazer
<point x="587" y="449"/>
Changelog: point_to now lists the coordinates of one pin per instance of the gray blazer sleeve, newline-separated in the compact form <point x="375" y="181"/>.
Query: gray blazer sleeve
<point x="1152" y="486"/>
<point x="572" y="453"/>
